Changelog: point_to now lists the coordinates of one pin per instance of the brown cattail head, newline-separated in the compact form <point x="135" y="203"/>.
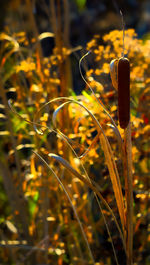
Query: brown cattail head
<point x="123" y="77"/>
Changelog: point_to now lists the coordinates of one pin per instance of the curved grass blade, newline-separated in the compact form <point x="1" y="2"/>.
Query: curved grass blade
<point x="114" y="178"/>
<point x="98" y="101"/>
<point x="67" y="140"/>
<point x="44" y="35"/>
<point x="28" y="121"/>
<point x="4" y="36"/>
<point x="75" y="212"/>
<point x="97" y="199"/>
<point x="55" y="113"/>
<point x="111" y="162"/>
<point x="88" y="183"/>
<point x="107" y="150"/>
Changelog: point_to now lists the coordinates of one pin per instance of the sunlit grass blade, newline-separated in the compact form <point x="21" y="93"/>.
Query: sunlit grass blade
<point x="73" y="207"/>
<point x="99" y="189"/>
<point x="109" y="157"/>
<point x="100" y="131"/>
<point x="34" y="124"/>
<point x="44" y="35"/>
<point x="114" y="178"/>
<point x="90" y="185"/>
<point x="111" y="162"/>
<point x="67" y="140"/>
<point x="55" y="113"/>
<point x="54" y="117"/>
<point x="4" y="36"/>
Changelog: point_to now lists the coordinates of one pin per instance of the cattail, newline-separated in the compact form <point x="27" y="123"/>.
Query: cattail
<point x="120" y="76"/>
<point x="123" y="78"/>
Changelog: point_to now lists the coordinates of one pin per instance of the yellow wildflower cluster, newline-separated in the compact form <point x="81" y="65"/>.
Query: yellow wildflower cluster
<point x="26" y="65"/>
<point x="111" y="47"/>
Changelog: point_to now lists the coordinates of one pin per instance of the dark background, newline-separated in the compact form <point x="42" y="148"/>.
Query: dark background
<point x="84" y="21"/>
<point x="96" y="16"/>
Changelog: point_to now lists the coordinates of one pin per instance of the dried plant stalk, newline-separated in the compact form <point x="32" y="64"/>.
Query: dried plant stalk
<point x="128" y="193"/>
<point x="120" y="75"/>
<point x="124" y="120"/>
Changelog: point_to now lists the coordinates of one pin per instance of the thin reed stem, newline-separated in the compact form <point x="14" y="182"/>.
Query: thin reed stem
<point x="34" y="27"/>
<point x="128" y="193"/>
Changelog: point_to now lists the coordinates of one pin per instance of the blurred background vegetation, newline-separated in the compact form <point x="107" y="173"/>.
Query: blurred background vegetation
<point x="41" y="42"/>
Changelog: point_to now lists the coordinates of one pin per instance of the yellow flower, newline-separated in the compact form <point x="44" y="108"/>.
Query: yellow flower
<point x="26" y="66"/>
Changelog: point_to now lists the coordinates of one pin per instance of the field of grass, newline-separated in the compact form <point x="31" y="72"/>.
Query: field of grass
<point x="74" y="167"/>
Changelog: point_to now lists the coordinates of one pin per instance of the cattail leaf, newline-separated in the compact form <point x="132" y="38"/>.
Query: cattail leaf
<point x="113" y="73"/>
<point x="68" y="166"/>
<point x="114" y="176"/>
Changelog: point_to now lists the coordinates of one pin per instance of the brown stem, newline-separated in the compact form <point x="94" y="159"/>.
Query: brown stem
<point x="63" y="64"/>
<point x="128" y="193"/>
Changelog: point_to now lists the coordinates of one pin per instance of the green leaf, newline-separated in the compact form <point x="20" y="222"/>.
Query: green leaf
<point x="33" y="203"/>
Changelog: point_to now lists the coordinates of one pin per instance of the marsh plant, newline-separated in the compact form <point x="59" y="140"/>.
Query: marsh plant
<point x="66" y="160"/>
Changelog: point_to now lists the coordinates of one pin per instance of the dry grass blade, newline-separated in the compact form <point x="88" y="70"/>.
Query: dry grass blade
<point x="54" y="117"/>
<point x="113" y="73"/>
<point x="34" y="124"/>
<point x="90" y="185"/>
<point x="98" y="101"/>
<point x="114" y="178"/>
<point x="55" y="113"/>
<point x="75" y="212"/>
<point x="110" y="159"/>
<point x="45" y="35"/>
<point x="67" y="140"/>
<point x="112" y="165"/>
<point x="6" y="37"/>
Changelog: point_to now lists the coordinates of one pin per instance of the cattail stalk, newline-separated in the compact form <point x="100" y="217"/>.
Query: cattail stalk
<point x="128" y="193"/>
<point x="124" y="121"/>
